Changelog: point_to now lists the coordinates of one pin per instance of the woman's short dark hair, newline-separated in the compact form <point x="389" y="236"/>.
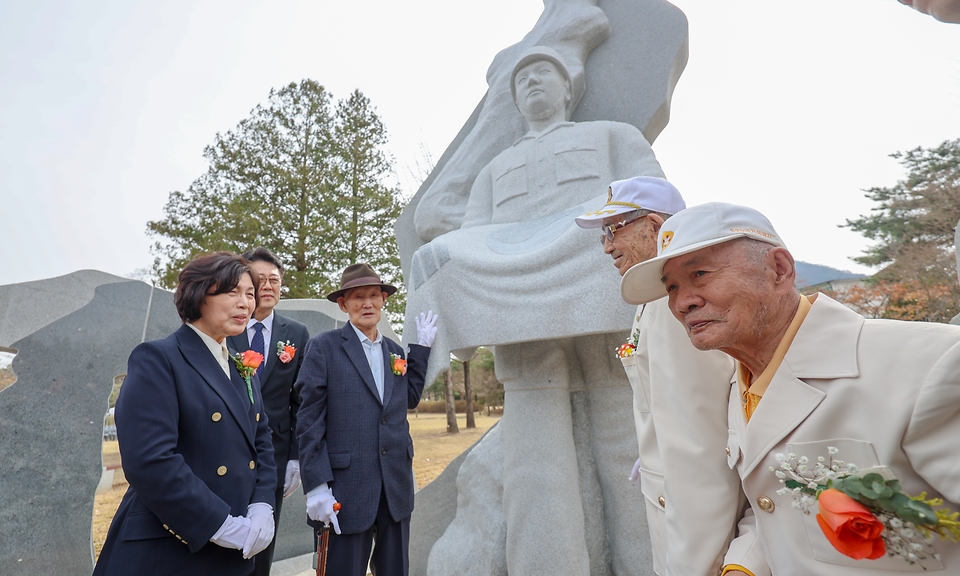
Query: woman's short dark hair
<point x="209" y="275"/>
<point x="261" y="254"/>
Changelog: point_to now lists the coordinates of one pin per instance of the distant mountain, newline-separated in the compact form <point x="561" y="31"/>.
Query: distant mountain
<point x="812" y="274"/>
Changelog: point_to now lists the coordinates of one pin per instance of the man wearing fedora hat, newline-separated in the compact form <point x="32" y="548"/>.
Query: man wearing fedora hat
<point x="355" y="389"/>
<point x="678" y="395"/>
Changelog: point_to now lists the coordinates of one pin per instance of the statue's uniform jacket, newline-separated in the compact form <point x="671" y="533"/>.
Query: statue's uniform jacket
<point x="566" y="164"/>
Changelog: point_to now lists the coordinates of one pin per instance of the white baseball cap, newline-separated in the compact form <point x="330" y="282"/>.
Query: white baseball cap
<point x="688" y="231"/>
<point x="638" y="193"/>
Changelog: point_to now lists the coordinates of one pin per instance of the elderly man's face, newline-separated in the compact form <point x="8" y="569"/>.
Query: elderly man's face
<point x="541" y="89"/>
<point x="363" y="305"/>
<point x="634" y="243"/>
<point x="720" y="295"/>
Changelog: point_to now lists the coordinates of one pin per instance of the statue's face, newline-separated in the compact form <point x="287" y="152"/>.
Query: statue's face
<point x="541" y="89"/>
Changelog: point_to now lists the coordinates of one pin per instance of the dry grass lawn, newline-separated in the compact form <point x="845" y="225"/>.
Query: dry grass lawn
<point x="433" y="449"/>
<point x="7" y="377"/>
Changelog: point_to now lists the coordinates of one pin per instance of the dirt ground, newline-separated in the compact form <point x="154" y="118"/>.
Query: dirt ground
<point x="433" y="449"/>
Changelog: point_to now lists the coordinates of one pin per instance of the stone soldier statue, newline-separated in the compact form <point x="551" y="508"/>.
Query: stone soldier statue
<point x="519" y="275"/>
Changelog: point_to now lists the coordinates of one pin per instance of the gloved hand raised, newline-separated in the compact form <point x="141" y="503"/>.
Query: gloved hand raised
<point x="320" y="503"/>
<point x="426" y="328"/>
<point x="291" y="477"/>
<point x="262" y="527"/>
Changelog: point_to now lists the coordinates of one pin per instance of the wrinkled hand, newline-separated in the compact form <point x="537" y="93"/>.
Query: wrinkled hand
<point x="233" y="533"/>
<point x="635" y="473"/>
<point x="262" y="527"/>
<point x="426" y="328"/>
<point x="320" y="503"/>
<point x="291" y="479"/>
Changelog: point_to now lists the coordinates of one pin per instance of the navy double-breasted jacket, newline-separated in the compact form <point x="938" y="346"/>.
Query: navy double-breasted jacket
<point x="351" y="439"/>
<point x="194" y="449"/>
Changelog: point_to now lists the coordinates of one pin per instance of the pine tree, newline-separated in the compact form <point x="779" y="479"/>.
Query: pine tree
<point x="914" y="228"/>
<point x="301" y="177"/>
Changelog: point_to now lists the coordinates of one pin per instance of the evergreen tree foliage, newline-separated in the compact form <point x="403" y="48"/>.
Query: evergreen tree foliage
<point x="302" y="177"/>
<point x="913" y="227"/>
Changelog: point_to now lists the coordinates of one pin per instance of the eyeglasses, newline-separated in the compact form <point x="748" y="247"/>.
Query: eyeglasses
<point x="608" y="230"/>
<point x="272" y="280"/>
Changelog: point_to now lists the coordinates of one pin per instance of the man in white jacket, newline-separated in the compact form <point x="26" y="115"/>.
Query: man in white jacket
<point x="693" y="498"/>
<point x="848" y="418"/>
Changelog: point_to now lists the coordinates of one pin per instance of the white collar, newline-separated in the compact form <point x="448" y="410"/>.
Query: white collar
<point x="267" y="322"/>
<point x="218" y="349"/>
<point x="363" y="337"/>
<point x="531" y="135"/>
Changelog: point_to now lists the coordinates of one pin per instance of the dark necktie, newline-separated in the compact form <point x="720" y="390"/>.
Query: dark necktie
<point x="257" y="346"/>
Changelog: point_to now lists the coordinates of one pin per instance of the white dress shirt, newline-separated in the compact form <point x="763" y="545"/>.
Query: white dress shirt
<point x="218" y="349"/>
<point x="374" y="353"/>
<point x="267" y="330"/>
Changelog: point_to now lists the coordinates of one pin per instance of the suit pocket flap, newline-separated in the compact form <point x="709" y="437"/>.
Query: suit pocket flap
<point x="509" y="183"/>
<point x="410" y="450"/>
<point x="143" y="526"/>
<point x="339" y="460"/>
<point x="284" y="425"/>
<point x="652" y="486"/>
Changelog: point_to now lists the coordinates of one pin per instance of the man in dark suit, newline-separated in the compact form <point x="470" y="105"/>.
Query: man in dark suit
<point x="355" y="447"/>
<point x="279" y="339"/>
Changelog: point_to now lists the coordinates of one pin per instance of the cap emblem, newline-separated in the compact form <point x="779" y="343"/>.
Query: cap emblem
<point x="666" y="239"/>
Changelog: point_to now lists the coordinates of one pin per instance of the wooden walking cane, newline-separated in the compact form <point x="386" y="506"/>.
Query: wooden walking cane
<point x="323" y="541"/>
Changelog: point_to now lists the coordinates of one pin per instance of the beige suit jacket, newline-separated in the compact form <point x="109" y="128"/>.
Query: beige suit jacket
<point x="881" y="391"/>
<point x="679" y="397"/>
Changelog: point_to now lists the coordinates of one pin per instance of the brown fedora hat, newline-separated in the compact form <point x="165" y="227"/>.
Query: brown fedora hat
<point x="356" y="275"/>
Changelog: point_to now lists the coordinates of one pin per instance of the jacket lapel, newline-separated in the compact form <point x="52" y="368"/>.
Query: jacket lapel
<point x="278" y="334"/>
<point x="786" y="403"/>
<point x="239" y="342"/>
<point x="389" y="379"/>
<point x="825" y="347"/>
<point x="354" y="350"/>
<point x="243" y="415"/>
<point x="198" y="356"/>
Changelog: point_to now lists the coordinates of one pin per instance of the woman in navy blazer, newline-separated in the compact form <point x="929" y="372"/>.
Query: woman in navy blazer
<point x="194" y="440"/>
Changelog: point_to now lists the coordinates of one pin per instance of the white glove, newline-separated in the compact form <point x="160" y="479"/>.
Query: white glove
<point x="291" y="478"/>
<point x="426" y="328"/>
<point x="320" y="503"/>
<point x="232" y="533"/>
<point x="635" y="473"/>
<point x="262" y="527"/>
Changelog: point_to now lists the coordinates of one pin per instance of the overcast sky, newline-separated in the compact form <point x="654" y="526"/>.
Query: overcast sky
<point x="105" y="107"/>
